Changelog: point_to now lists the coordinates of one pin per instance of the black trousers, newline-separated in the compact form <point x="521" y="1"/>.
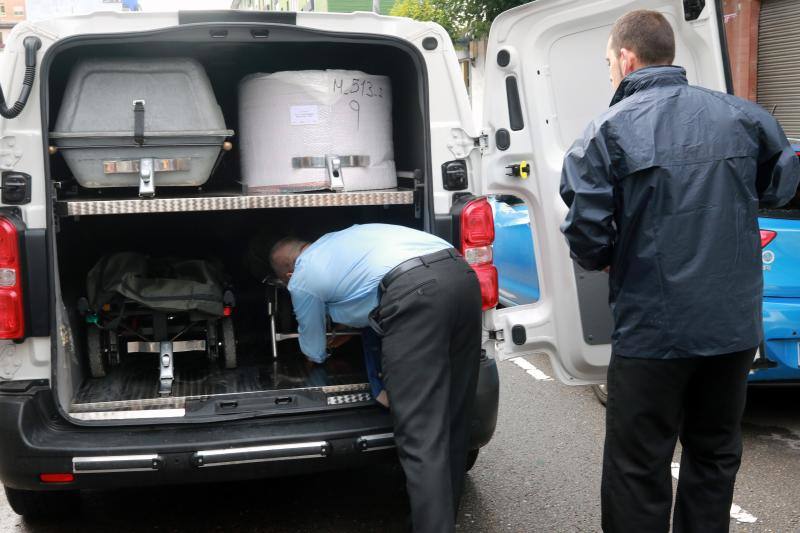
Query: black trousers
<point x="652" y="403"/>
<point x="430" y="322"/>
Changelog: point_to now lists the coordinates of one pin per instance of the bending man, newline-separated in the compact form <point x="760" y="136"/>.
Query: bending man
<point x="423" y="301"/>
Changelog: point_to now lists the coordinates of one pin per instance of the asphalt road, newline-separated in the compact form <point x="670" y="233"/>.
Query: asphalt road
<point x="540" y="473"/>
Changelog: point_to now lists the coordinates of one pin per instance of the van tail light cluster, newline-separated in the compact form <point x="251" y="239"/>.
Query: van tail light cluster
<point x="767" y="236"/>
<point x="12" y="317"/>
<point x="476" y="238"/>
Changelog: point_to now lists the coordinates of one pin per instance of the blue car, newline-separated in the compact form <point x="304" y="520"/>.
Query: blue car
<point x="779" y="356"/>
<point x="513" y="251"/>
<point x="778" y="359"/>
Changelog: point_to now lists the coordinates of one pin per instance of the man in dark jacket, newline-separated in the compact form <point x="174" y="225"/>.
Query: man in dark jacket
<point x="664" y="190"/>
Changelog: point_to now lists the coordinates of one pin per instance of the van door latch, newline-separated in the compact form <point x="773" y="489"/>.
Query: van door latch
<point x="16" y="188"/>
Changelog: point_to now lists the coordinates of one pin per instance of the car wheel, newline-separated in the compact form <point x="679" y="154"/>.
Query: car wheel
<point x="601" y="391"/>
<point x="33" y="504"/>
<point x="472" y="458"/>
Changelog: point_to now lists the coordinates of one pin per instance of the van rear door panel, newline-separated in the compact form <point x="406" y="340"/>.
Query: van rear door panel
<point x="546" y="78"/>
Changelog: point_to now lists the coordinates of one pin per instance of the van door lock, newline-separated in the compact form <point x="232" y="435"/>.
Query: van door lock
<point x="16" y="188"/>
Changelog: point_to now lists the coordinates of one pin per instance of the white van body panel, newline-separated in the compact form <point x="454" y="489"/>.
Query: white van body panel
<point x="557" y="54"/>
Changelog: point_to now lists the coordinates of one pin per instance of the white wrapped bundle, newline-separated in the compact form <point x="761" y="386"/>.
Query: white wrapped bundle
<point x="293" y="124"/>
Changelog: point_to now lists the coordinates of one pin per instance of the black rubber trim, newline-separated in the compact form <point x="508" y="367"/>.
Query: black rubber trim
<point x="443" y="227"/>
<point x="22" y="386"/>
<point x="515" y="118"/>
<point x="519" y="335"/>
<point x="502" y="139"/>
<point x="430" y="43"/>
<point x="456" y="211"/>
<point x="36" y="288"/>
<point x="723" y="44"/>
<point x="227" y="16"/>
<point x="503" y="58"/>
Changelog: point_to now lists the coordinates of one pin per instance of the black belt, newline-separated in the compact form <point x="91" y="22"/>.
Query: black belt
<point x="415" y="262"/>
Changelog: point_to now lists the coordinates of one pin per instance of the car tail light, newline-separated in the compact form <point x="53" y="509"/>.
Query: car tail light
<point x="12" y="318"/>
<point x="56" y="478"/>
<point x="767" y="236"/>
<point x="477" y="236"/>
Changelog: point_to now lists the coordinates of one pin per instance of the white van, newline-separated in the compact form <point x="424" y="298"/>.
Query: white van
<point x="62" y="430"/>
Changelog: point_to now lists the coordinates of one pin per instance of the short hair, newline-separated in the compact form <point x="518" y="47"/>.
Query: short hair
<point x="646" y="33"/>
<point x="284" y="253"/>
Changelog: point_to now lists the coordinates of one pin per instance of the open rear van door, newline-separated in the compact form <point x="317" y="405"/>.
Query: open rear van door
<point x="546" y="78"/>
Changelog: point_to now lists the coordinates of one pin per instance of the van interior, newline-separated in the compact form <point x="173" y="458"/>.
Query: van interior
<point x="263" y="382"/>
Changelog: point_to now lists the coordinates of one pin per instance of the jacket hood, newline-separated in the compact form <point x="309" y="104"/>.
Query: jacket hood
<point x="648" y="77"/>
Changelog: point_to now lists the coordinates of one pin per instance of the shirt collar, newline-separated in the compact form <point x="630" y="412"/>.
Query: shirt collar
<point x="649" y="77"/>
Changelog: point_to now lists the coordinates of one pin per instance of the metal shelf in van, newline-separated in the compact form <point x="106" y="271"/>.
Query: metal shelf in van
<point x="132" y="206"/>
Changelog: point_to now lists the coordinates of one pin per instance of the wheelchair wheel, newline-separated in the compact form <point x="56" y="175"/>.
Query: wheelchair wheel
<point x="96" y="354"/>
<point x="228" y="342"/>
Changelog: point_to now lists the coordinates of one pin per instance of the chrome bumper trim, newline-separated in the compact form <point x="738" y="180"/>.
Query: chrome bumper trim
<point x="371" y="443"/>
<point x="261" y="454"/>
<point x="116" y="463"/>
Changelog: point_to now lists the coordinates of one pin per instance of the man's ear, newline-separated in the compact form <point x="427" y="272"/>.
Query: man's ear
<point x="289" y="275"/>
<point x="628" y="62"/>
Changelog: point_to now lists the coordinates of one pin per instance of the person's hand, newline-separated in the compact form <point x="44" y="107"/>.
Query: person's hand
<point x="383" y="398"/>
<point x="338" y="340"/>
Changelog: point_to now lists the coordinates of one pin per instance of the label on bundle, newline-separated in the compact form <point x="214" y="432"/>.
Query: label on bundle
<point x="302" y="115"/>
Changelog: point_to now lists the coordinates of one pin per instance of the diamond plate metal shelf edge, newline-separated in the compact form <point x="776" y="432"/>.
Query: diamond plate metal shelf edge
<point x="137" y="206"/>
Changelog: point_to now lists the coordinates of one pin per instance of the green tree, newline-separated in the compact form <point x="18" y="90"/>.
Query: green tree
<point x="461" y="18"/>
<point x="438" y="11"/>
<point x="479" y="14"/>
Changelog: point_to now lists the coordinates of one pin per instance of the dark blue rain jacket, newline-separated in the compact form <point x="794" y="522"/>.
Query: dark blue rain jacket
<point x="664" y="188"/>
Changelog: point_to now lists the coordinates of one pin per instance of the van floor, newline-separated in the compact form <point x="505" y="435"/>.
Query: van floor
<point x="134" y="383"/>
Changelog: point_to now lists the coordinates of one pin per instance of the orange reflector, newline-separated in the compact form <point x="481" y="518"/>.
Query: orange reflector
<point x="106" y="307"/>
<point x="227" y="311"/>
<point x="56" y="478"/>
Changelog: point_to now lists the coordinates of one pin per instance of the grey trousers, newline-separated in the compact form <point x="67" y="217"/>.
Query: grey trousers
<point x="430" y="322"/>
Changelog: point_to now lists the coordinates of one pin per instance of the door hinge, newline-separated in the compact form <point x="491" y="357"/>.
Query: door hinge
<point x="462" y="144"/>
<point x="497" y="335"/>
<point x="482" y="142"/>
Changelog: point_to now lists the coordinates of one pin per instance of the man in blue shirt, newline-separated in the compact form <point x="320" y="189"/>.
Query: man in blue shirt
<point x="423" y="301"/>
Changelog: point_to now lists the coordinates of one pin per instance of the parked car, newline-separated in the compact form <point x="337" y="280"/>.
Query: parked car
<point x="514" y="256"/>
<point x="62" y="430"/>
<point x="778" y="360"/>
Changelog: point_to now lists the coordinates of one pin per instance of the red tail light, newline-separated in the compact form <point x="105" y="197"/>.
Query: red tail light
<point x="56" y="478"/>
<point x="12" y="318"/>
<point x="477" y="236"/>
<point x="767" y="236"/>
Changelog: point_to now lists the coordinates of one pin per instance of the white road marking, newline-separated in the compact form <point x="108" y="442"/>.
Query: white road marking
<point x="532" y="371"/>
<point x="737" y="513"/>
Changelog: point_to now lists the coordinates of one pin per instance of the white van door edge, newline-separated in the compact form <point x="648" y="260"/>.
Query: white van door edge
<point x="546" y="78"/>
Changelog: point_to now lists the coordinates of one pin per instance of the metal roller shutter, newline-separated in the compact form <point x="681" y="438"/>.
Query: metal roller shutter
<point x="779" y="62"/>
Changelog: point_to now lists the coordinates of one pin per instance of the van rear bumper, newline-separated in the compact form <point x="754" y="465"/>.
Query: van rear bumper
<point x="34" y="440"/>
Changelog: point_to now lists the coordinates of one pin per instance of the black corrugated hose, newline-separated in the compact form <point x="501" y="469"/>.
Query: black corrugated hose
<point x="32" y="45"/>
